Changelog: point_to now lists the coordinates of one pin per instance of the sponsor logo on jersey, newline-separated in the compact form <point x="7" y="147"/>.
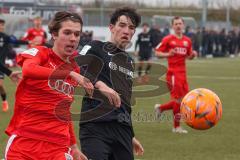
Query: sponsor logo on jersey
<point x="173" y="43"/>
<point x="180" y="50"/>
<point x="32" y="51"/>
<point x="185" y="43"/>
<point x="110" y="54"/>
<point x="85" y="50"/>
<point x="114" y="66"/>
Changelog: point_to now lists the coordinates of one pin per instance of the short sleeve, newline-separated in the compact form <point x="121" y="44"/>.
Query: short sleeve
<point x="163" y="46"/>
<point x="40" y="53"/>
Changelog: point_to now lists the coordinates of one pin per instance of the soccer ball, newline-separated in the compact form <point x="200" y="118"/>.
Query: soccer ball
<point x="201" y="109"/>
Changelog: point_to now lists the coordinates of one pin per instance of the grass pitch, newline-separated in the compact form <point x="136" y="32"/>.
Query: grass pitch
<point x="222" y="142"/>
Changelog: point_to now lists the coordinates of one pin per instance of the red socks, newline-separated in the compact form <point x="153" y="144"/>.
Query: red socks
<point x="176" y="114"/>
<point x="176" y="110"/>
<point x="167" y="106"/>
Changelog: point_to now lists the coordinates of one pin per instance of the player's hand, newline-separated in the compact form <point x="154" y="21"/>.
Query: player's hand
<point x="193" y="54"/>
<point x="77" y="154"/>
<point x="137" y="147"/>
<point x="84" y="82"/>
<point x="16" y="76"/>
<point x="171" y="53"/>
<point x="112" y="95"/>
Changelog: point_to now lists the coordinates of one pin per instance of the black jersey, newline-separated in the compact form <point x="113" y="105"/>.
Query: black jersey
<point x="114" y="67"/>
<point x="5" y="42"/>
<point x="4" y="46"/>
<point x="144" y="42"/>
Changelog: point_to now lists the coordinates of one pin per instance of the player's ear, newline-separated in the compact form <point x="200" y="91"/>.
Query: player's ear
<point x="54" y="35"/>
<point x="111" y="27"/>
<point x="134" y="30"/>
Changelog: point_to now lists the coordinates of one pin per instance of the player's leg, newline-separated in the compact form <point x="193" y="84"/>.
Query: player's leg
<point x="181" y="89"/>
<point x="122" y="148"/>
<point x="20" y="148"/>
<point x="95" y="141"/>
<point x="147" y="69"/>
<point x="159" y="108"/>
<point x="149" y="64"/>
<point x="140" y="66"/>
<point x="95" y="148"/>
<point x="3" y="93"/>
<point x="121" y="152"/>
<point x="51" y="151"/>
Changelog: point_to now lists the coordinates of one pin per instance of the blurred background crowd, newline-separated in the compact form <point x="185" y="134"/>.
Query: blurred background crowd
<point x="212" y="26"/>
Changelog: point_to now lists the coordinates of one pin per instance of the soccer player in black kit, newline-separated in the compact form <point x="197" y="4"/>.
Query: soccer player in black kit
<point x="145" y="53"/>
<point x="106" y="131"/>
<point x="5" y="40"/>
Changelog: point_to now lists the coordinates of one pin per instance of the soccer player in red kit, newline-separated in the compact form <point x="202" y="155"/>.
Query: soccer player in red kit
<point x="40" y="128"/>
<point x="176" y="48"/>
<point x="36" y="36"/>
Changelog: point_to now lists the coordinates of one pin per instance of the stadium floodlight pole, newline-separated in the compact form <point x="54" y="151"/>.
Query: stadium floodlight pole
<point x="2" y="6"/>
<point x="170" y="7"/>
<point x="204" y="13"/>
<point x="102" y="12"/>
<point x="228" y="15"/>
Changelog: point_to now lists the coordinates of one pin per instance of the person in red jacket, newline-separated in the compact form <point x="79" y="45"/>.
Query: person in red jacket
<point x="176" y="48"/>
<point x="36" y="36"/>
<point x="40" y="127"/>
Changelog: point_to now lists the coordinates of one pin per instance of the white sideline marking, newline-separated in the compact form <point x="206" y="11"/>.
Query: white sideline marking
<point x="220" y="78"/>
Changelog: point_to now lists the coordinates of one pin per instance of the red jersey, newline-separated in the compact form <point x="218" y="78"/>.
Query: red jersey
<point x="37" y="36"/>
<point x="182" y="47"/>
<point x="41" y="112"/>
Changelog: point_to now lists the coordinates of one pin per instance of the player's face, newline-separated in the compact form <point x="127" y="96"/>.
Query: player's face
<point x="37" y="22"/>
<point x="178" y="26"/>
<point x="122" y="32"/>
<point x="67" y="39"/>
<point x="145" y="28"/>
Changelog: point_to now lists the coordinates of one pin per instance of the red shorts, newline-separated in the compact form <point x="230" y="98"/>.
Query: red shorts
<point x="21" y="148"/>
<point x="177" y="84"/>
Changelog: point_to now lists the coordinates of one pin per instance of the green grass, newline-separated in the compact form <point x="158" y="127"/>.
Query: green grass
<point x="221" y="142"/>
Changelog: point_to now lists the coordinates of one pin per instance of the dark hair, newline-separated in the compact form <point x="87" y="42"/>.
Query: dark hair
<point x="128" y="12"/>
<point x="2" y="21"/>
<point x="145" y="24"/>
<point x="61" y="16"/>
<point x="176" y="18"/>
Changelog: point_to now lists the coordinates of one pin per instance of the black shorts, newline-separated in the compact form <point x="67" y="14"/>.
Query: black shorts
<point x="145" y="56"/>
<point x="106" y="141"/>
<point x="1" y="75"/>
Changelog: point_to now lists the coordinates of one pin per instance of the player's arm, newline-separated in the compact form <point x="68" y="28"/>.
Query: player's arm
<point x="137" y="147"/>
<point x="192" y="55"/>
<point x="5" y="70"/>
<point x="162" y="50"/>
<point x="112" y="95"/>
<point x="190" y="52"/>
<point x="32" y="62"/>
<point x="75" y="152"/>
<point x="161" y="54"/>
<point x="14" y="40"/>
<point x="93" y="60"/>
<point x="26" y="35"/>
<point x="32" y="68"/>
<point x="15" y="76"/>
<point x="137" y="44"/>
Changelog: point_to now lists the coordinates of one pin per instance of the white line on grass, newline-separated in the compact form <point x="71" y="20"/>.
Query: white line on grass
<point x="220" y="78"/>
